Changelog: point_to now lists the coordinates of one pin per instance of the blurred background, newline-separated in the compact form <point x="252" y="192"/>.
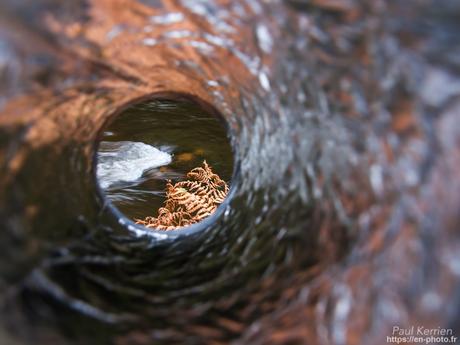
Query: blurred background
<point x="343" y="217"/>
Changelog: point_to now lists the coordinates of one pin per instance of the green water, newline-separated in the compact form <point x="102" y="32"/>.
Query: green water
<point x="183" y="129"/>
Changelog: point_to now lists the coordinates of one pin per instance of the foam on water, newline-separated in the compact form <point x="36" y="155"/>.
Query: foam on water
<point x="126" y="161"/>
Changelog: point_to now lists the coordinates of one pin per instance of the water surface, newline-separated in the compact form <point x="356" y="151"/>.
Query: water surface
<point x="182" y="129"/>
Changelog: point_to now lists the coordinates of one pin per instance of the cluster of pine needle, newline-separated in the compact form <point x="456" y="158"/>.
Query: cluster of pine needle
<point x="190" y="201"/>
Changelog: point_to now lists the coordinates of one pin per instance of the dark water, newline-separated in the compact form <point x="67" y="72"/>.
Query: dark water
<point x="181" y="128"/>
<point x="342" y="220"/>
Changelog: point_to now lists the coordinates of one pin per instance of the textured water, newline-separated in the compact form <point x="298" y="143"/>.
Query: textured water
<point x="125" y="162"/>
<point x="185" y="133"/>
<point x="342" y="220"/>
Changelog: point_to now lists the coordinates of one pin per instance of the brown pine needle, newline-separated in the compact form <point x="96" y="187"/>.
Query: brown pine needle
<point x="190" y="201"/>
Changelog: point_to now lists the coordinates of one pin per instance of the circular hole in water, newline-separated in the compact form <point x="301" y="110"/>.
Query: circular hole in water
<point x="170" y="154"/>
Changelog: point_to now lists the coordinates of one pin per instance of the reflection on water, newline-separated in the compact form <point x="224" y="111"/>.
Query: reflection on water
<point x="185" y="135"/>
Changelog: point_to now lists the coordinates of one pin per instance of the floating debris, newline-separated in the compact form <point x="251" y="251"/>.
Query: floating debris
<point x="188" y="202"/>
